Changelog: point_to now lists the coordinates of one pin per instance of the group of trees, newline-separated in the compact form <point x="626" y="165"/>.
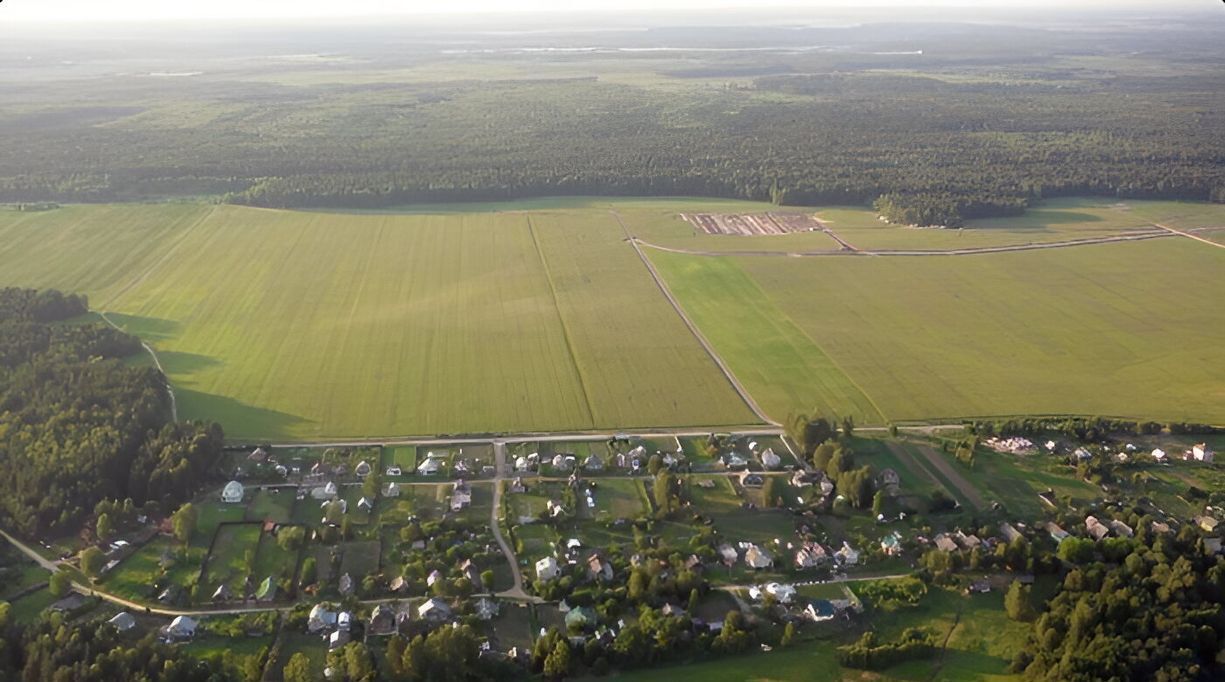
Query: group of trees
<point x="1142" y="609"/>
<point x="51" y="651"/>
<point x="78" y="426"/>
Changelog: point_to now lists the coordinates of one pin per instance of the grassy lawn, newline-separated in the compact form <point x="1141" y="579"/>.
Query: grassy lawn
<point x="405" y="456"/>
<point x="537" y="540"/>
<point x="616" y="498"/>
<point x="513" y="626"/>
<point x="17" y="572"/>
<point x="360" y="559"/>
<point x="272" y="560"/>
<point x="1084" y="330"/>
<point x="231" y="561"/>
<point x="298" y="642"/>
<point x="133" y="577"/>
<point x="273" y="503"/>
<point x="211" y="514"/>
<point x="30" y="607"/>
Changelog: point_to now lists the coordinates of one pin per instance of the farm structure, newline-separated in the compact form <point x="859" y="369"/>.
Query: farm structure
<point x="753" y="225"/>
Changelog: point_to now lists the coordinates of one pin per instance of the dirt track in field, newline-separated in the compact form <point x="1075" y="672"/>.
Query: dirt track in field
<point x="950" y="473"/>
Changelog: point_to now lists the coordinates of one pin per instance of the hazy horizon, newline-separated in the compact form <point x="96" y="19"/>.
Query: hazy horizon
<point x="144" y="11"/>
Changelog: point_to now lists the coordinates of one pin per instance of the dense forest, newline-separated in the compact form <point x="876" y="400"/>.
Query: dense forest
<point x="78" y="426"/>
<point x="1142" y="609"/>
<point x="977" y="121"/>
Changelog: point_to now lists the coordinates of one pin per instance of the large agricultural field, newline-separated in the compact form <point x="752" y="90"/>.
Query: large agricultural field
<point x="1129" y="329"/>
<point x="297" y="325"/>
<point x="539" y="316"/>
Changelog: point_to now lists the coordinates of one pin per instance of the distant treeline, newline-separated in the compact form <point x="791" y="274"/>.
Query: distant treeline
<point x="78" y="426"/>
<point x="932" y="152"/>
<point x="1085" y="428"/>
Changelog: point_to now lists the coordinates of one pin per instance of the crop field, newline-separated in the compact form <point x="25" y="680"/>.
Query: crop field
<point x="662" y="224"/>
<point x="1085" y="330"/>
<point x="296" y="325"/>
<point x="780" y="365"/>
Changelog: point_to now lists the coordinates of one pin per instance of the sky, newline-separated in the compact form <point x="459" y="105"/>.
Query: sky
<point x="46" y="11"/>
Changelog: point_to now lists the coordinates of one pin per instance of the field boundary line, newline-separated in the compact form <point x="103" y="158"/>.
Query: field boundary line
<point x="561" y="318"/>
<point x="879" y="412"/>
<point x="174" y="403"/>
<point x="693" y="328"/>
<point x="1188" y="235"/>
<point x="971" y="251"/>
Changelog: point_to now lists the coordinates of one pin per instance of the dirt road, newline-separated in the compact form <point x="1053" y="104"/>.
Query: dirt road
<point x="693" y="328"/>
<point x="1131" y="237"/>
<point x="950" y="472"/>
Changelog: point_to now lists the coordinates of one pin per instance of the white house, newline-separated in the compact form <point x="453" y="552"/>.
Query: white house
<point x="362" y="469"/>
<point x="320" y="619"/>
<point x="1159" y="454"/>
<point x="1201" y="452"/>
<point x="365" y="505"/>
<point x="392" y="490"/>
<point x="781" y="593"/>
<point x="123" y="621"/>
<point x="182" y="627"/>
<point x="232" y="493"/>
<point x="394" y="470"/>
<point x="429" y="467"/>
<point x="770" y="460"/>
<point x="547" y="568"/>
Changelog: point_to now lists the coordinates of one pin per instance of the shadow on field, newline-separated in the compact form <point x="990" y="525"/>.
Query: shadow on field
<point x="1041" y="220"/>
<point x="179" y="363"/>
<point x="147" y="328"/>
<point x="238" y="419"/>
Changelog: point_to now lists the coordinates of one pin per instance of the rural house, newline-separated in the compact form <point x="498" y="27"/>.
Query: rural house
<point x="232" y="492"/>
<point x="770" y="460"/>
<point x="123" y="621"/>
<point x="547" y="568"/>
<point x="749" y="479"/>
<point x="757" y="558"/>
<point x="461" y="496"/>
<point x="382" y="620"/>
<point x="847" y="555"/>
<point x="891" y="544"/>
<point x="434" y="611"/>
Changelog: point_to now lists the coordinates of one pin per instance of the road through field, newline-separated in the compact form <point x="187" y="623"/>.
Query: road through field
<point x="693" y="328"/>
<point x="1187" y="233"/>
<point x="978" y="250"/>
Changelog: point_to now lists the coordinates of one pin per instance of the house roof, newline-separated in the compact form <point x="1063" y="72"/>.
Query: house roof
<point x="123" y="621"/>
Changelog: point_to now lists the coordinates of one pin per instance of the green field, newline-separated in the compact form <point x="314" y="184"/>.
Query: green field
<point x="298" y="324"/>
<point x="1116" y="329"/>
<point x="537" y="316"/>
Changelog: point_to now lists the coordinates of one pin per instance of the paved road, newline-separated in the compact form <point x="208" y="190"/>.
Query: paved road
<point x="693" y="328"/>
